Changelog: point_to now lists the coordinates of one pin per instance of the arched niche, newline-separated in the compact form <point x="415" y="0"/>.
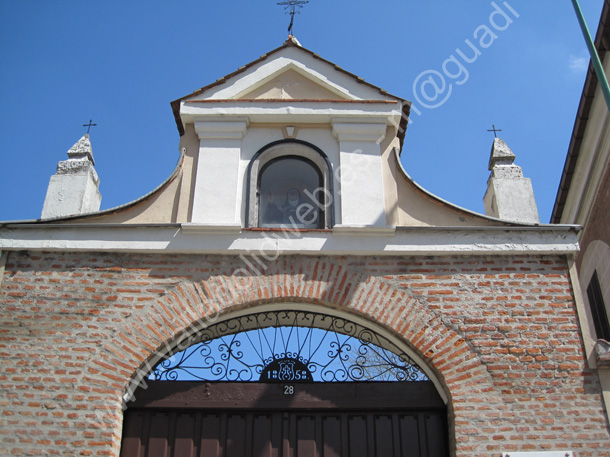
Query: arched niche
<point x="289" y="183"/>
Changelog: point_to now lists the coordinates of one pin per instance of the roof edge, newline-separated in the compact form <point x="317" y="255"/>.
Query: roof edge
<point x="582" y="118"/>
<point x="290" y="42"/>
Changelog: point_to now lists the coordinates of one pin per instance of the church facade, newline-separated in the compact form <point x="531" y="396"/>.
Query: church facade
<point x="289" y="208"/>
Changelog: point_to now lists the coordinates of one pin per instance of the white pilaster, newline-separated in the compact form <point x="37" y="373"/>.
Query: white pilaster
<point x="216" y="198"/>
<point x="360" y="178"/>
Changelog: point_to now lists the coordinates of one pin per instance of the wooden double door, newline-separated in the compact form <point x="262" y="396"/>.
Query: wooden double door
<point x="186" y="419"/>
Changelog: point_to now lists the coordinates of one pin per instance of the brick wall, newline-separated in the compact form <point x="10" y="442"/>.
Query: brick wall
<point x="501" y="334"/>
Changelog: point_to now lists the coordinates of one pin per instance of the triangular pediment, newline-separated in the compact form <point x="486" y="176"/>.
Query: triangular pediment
<point x="290" y="72"/>
<point x="290" y="84"/>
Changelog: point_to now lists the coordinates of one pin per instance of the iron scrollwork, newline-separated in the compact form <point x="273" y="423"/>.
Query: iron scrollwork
<point x="294" y="346"/>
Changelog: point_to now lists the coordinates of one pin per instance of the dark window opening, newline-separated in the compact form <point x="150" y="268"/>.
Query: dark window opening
<point x="598" y="308"/>
<point x="289" y="192"/>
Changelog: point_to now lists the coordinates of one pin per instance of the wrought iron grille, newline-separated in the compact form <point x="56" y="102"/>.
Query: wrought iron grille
<point x="289" y="346"/>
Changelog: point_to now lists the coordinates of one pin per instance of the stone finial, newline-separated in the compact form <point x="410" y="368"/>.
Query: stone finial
<point x="501" y="161"/>
<point x="82" y="149"/>
<point x="74" y="188"/>
<point x="294" y="40"/>
<point x="500" y="154"/>
<point x="80" y="160"/>
<point x="509" y="195"/>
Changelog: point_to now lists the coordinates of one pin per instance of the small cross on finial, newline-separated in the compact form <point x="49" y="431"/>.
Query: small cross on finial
<point x="89" y="125"/>
<point x="495" y="130"/>
<point x="292" y="4"/>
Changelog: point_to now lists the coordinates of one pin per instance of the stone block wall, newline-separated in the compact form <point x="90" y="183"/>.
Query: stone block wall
<point x="500" y="333"/>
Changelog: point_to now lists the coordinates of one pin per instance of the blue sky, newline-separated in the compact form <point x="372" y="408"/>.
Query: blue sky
<point x="121" y="62"/>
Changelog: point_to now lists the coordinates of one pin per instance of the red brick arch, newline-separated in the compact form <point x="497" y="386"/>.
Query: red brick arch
<point x="189" y="305"/>
<point x="185" y="308"/>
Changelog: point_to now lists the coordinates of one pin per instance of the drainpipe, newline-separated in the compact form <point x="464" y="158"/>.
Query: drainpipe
<point x="599" y="70"/>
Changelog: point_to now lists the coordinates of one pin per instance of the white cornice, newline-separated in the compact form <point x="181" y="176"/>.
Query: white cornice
<point x="175" y="238"/>
<point x="292" y="112"/>
<point x="211" y="228"/>
<point x="363" y="230"/>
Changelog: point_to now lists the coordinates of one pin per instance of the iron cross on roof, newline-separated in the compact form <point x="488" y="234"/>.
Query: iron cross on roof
<point x="292" y="5"/>
<point x="495" y="130"/>
<point x="89" y="125"/>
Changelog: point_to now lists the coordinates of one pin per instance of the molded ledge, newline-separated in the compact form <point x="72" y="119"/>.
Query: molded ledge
<point x="602" y="353"/>
<point x="233" y="129"/>
<point x="372" y="132"/>
<point x="539" y="454"/>
<point x="363" y="229"/>
<point x="211" y="228"/>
